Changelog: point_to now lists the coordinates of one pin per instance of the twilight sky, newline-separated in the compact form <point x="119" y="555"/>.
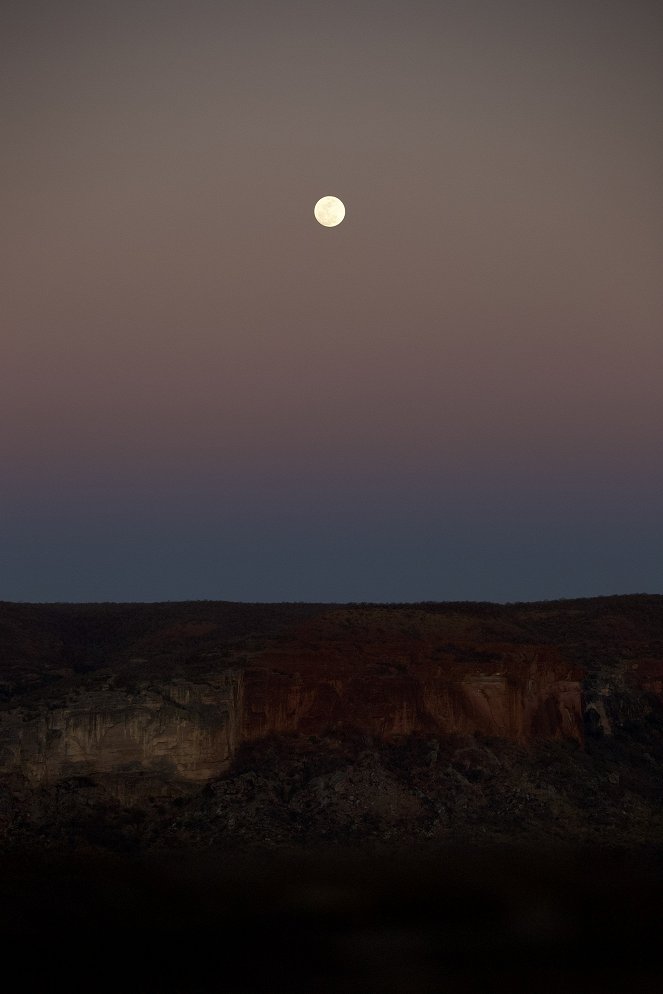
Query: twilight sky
<point x="455" y="394"/>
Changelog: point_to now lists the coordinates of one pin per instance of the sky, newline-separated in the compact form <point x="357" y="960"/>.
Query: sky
<point x="455" y="394"/>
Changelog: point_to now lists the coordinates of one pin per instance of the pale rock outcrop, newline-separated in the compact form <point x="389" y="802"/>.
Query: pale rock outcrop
<point x="181" y="730"/>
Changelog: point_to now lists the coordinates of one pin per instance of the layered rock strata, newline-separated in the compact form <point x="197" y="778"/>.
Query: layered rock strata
<point x="180" y="730"/>
<point x="188" y="731"/>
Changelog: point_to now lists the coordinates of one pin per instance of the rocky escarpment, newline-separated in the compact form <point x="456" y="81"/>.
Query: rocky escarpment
<point x="377" y="680"/>
<point x="519" y="693"/>
<point x="179" y="730"/>
<point x="191" y="732"/>
<point x="216" y="722"/>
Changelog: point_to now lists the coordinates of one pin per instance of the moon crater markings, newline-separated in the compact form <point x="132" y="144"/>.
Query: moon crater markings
<point x="329" y="211"/>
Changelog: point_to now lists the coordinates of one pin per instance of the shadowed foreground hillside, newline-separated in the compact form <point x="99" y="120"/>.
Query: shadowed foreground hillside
<point x="382" y="797"/>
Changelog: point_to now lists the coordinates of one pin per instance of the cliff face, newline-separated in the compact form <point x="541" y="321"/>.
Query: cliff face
<point x="384" y="687"/>
<point x="177" y="690"/>
<point x="526" y="692"/>
<point x="228" y="725"/>
<point x="181" y="730"/>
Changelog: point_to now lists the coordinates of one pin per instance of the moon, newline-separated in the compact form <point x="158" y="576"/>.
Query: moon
<point x="329" y="211"/>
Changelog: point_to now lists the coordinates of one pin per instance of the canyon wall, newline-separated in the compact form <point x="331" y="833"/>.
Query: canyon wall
<point x="180" y="730"/>
<point x="188" y="731"/>
<point x="526" y="693"/>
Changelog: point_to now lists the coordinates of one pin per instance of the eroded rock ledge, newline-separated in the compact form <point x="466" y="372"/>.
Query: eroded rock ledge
<point x="174" y="697"/>
<point x="191" y="731"/>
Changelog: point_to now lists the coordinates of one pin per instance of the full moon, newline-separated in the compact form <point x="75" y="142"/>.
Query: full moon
<point x="329" y="211"/>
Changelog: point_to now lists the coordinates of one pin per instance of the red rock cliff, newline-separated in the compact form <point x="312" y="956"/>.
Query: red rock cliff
<point x="386" y="674"/>
<point x="389" y="684"/>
